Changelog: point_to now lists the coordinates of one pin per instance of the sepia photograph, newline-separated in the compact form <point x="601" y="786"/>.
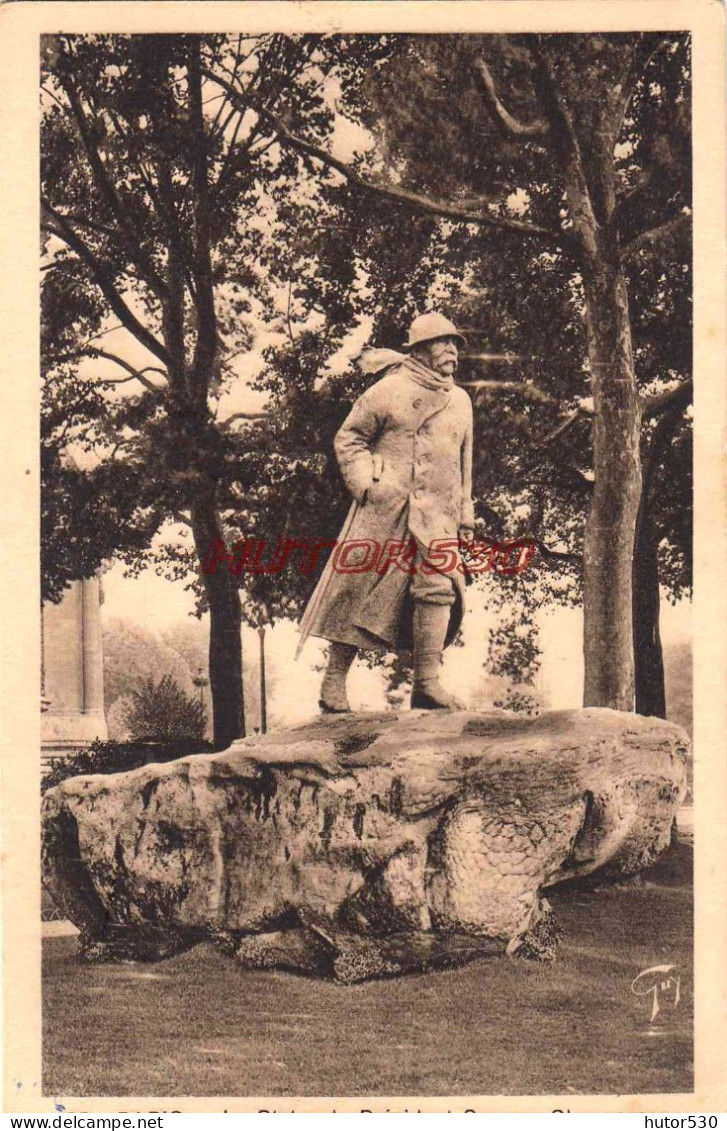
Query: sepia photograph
<point x="366" y="510"/>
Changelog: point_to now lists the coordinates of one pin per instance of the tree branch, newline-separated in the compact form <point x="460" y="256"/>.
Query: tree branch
<point x="567" y="146"/>
<point x="654" y="238"/>
<point x="164" y="206"/>
<point x="63" y="230"/>
<point x="393" y="192"/>
<point x="135" y="374"/>
<point x="235" y="157"/>
<point x="218" y="115"/>
<point x="103" y="181"/>
<point x="225" y="424"/>
<point x="646" y="46"/>
<point x="563" y="427"/>
<point x="508" y="125"/>
<point x="101" y="334"/>
<point x="578" y="413"/>
<point x="55" y="98"/>
<point x="84" y="222"/>
<point x="497" y="522"/>
<point x="533" y="393"/>
<point x="124" y="381"/>
<point x="119" y="444"/>
<point x="552" y="555"/>
<point x="679" y="396"/>
<point x="289" y="324"/>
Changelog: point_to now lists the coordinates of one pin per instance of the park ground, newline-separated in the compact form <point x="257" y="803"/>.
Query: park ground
<point x="197" y="1025"/>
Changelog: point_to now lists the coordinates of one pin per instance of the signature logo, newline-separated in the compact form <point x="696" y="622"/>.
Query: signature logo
<point x="664" y="985"/>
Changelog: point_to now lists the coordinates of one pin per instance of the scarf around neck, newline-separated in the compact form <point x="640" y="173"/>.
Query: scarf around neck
<point x="374" y="360"/>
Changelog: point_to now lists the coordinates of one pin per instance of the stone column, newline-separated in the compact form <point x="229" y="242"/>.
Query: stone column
<point x="92" y="647"/>
<point x="73" y="671"/>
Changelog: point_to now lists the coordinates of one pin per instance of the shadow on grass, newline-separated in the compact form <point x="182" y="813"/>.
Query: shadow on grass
<point x="197" y="1025"/>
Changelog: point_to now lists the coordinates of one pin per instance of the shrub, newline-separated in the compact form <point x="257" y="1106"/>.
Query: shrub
<point x="115" y="757"/>
<point x="163" y="712"/>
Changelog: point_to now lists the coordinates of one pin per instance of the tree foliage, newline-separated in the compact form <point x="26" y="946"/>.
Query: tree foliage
<point x="206" y="198"/>
<point x="154" y="229"/>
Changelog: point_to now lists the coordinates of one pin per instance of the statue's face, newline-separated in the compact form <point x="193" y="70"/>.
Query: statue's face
<point x="442" y="356"/>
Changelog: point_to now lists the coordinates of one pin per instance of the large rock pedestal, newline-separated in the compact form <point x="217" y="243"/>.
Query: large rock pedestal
<point x="358" y="846"/>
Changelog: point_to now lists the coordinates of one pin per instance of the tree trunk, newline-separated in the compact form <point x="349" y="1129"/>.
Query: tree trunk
<point x="225" y="652"/>
<point x="611" y="525"/>
<point x="225" y="656"/>
<point x="584" y="95"/>
<point x="650" y="690"/>
<point x="649" y="662"/>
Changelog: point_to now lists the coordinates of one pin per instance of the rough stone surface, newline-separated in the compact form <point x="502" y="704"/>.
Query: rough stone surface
<point x="361" y="846"/>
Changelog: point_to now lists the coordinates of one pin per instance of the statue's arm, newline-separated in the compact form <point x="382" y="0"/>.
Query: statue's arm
<point x="467" y="508"/>
<point x="353" y="442"/>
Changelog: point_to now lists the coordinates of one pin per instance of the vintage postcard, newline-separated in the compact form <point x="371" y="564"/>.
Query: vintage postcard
<point x="364" y="543"/>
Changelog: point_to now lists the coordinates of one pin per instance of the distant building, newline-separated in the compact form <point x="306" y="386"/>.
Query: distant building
<point x="72" y="671"/>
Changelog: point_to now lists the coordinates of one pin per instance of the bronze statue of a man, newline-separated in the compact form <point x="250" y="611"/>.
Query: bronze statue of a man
<point x="405" y="453"/>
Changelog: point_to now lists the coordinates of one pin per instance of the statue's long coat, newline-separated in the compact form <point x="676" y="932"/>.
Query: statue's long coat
<point x="419" y="440"/>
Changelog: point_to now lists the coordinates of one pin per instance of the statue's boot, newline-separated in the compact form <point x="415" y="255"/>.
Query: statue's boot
<point x="430" y="629"/>
<point x="333" y="700"/>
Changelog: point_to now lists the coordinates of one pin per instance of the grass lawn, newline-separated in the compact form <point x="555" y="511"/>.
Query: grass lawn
<point x="198" y="1025"/>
